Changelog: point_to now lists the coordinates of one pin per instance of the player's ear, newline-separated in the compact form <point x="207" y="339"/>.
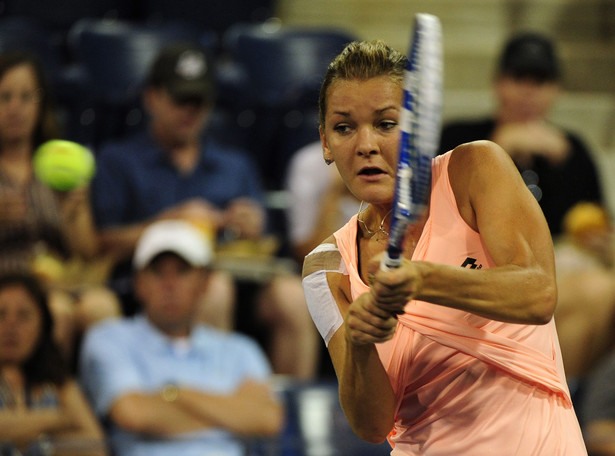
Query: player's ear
<point x="326" y="153"/>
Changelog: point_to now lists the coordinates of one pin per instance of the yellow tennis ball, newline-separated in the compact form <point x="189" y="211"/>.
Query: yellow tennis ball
<point x="64" y="165"/>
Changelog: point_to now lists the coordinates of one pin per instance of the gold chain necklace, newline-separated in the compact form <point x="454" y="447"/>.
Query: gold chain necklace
<point x="380" y="228"/>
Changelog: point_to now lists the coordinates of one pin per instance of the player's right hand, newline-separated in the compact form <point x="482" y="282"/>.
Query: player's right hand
<point x="368" y="323"/>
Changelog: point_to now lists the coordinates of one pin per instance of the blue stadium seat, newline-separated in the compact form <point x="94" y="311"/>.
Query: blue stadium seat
<point x="115" y="57"/>
<point x="60" y="15"/>
<point x="285" y="64"/>
<point x="211" y="15"/>
<point x="284" y="67"/>
<point x="31" y="35"/>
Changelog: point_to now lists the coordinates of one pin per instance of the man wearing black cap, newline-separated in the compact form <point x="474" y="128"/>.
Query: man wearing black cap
<point x="176" y="170"/>
<point x="555" y="164"/>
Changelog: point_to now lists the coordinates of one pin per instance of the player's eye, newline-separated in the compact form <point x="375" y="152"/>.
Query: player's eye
<point x="342" y="128"/>
<point x="388" y="124"/>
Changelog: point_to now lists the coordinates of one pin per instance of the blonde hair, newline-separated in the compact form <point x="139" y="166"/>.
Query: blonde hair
<point x="362" y="60"/>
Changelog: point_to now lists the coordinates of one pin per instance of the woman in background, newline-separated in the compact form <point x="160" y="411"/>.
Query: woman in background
<point x="40" y="229"/>
<point x="38" y="397"/>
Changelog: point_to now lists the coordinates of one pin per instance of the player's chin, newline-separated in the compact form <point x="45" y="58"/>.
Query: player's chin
<point x="374" y="191"/>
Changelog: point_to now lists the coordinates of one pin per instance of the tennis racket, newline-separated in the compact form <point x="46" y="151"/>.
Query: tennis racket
<point x="420" y="123"/>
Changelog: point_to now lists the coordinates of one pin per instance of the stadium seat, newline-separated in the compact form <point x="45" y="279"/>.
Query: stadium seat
<point x="285" y="64"/>
<point x="284" y="67"/>
<point x="212" y="15"/>
<point x="33" y="36"/>
<point x="115" y="57"/>
<point x="60" y="15"/>
<point x="26" y="34"/>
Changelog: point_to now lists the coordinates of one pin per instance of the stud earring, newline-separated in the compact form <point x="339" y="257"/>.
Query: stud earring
<point x="328" y="161"/>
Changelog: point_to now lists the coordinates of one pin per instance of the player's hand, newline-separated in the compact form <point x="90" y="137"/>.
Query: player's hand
<point x="391" y="290"/>
<point x="367" y="323"/>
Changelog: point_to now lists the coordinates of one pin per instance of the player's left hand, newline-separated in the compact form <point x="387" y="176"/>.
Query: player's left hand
<point x="391" y="290"/>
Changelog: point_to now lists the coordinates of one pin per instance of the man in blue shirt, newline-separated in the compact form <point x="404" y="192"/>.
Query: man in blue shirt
<point x="165" y="384"/>
<point x="175" y="170"/>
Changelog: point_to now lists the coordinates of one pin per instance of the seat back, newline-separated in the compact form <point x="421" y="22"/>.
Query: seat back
<point x="285" y="64"/>
<point x="115" y="57"/>
<point x="213" y="15"/>
<point x="284" y="67"/>
<point x="25" y="34"/>
<point x="316" y="425"/>
<point x="117" y="54"/>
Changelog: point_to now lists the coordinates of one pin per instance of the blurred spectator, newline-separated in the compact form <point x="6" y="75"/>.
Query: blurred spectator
<point x="319" y="201"/>
<point x="38" y="397"/>
<point x="47" y="232"/>
<point x="556" y="165"/>
<point x="169" y="385"/>
<point x="585" y="312"/>
<point x="175" y="170"/>
<point x="597" y="411"/>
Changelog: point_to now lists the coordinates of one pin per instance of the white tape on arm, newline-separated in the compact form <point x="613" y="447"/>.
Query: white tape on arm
<point x="325" y="313"/>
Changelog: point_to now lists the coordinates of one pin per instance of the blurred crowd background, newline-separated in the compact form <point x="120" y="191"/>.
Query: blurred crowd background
<point x="584" y="31"/>
<point x="270" y="56"/>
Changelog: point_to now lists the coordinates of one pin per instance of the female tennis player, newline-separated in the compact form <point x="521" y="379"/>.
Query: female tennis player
<point x="455" y="352"/>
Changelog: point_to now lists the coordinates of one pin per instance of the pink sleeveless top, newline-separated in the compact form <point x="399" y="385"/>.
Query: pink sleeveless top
<point x="467" y="385"/>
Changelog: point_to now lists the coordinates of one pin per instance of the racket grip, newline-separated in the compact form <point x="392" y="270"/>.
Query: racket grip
<point x="388" y="263"/>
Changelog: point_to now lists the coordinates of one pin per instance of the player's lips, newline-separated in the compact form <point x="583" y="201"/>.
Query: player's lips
<point x="371" y="173"/>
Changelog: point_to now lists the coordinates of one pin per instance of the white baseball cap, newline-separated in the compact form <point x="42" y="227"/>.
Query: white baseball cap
<point x="177" y="236"/>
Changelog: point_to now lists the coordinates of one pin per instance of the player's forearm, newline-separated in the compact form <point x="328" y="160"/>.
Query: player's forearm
<point x="510" y="293"/>
<point x="366" y="394"/>
<point x="246" y="412"/>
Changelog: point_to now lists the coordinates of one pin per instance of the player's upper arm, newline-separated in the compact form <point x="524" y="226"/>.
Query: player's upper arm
<point x="495" y="201"/>
<point x="326" y="287"/>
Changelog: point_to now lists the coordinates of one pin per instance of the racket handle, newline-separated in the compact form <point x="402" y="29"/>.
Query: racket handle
<point x="388" y="263"/>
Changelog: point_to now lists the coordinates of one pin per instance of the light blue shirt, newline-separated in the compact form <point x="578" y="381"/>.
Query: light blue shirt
<point x="129" y="355"/>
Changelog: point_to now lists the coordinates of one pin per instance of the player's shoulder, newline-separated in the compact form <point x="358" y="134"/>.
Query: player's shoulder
<point x="480" y="161"/>
<point x="478" y="155"/>
<point x="325" y="257"/>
